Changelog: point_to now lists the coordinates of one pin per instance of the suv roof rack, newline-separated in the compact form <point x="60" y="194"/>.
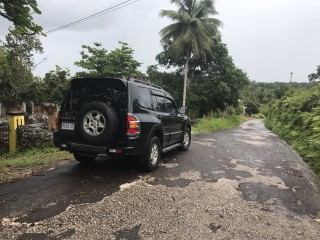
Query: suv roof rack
<point x="145" y="83"/>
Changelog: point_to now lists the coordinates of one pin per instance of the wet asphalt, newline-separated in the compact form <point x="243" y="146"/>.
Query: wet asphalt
<point x="242" y="183"/>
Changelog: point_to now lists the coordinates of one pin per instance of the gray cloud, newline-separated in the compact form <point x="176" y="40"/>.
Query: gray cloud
<point x="267" y="38"/>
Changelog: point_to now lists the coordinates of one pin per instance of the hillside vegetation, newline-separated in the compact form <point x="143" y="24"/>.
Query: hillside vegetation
<point x="296" y="118"/>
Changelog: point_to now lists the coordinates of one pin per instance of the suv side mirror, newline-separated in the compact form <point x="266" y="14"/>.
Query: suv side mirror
<point x="183" y="110"/>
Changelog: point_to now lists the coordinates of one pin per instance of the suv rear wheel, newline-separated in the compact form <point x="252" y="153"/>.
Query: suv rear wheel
<point x="152" y="158"/>
<point x="97" y="123"/>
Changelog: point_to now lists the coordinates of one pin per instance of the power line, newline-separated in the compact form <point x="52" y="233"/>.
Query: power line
<point x="98" y="14"/>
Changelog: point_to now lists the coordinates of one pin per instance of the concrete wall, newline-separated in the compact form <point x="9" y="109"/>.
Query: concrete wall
<point x="35" y="112"/>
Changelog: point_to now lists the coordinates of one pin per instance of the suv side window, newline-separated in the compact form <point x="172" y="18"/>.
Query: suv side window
<point x="145" y="98"/>
<point x="170" y="108"/>
<point x="159" y="103"/>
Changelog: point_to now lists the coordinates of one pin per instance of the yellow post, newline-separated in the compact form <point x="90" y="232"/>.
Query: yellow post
<point x="15" y="119"/>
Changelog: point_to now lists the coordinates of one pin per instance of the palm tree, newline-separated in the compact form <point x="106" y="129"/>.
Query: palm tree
<point x="192" y="34"/>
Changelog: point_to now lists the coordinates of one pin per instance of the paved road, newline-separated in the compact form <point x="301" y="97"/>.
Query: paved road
<point x="242" y="183"/>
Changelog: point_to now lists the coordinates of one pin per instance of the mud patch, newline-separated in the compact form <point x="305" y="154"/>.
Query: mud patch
<point x="41" y="236"/>
<point x="173" y="183"/>
<point x="214" y="228"/>
<point x="128" y="234"/>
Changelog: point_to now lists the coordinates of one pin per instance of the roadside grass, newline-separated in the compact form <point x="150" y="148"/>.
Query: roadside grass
<point x="211" y="124"/>
<point x="20" y="164"/>
<point x="258" y="116"/>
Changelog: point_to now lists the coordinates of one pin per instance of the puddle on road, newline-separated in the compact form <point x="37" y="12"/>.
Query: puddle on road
<point x="257" y="177"/>
<point x="256" y="143"/>
<point x="252" y="136"/>
<point x="206" y="144"/>
<point x="169" y="165"/>
<point x="209" y="139"/>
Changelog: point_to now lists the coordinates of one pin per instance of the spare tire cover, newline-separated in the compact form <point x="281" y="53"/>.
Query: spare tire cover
<point x="97" y="123"/>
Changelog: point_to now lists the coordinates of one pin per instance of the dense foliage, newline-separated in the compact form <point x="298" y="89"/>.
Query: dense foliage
<point x="315" y="76"/>
<point x="16" y="64"/>
<point x="214" y="84"/>
<point x="17" y="82"/>
<point x="98" y="62"/>
<point x="296" y="118"/>
<point x="56" y="83"/>
<point x="20" y="12"/>
<point x="257" y="95"/>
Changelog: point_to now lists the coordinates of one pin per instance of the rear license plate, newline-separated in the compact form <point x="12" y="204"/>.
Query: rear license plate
<point x="67" y="126"/>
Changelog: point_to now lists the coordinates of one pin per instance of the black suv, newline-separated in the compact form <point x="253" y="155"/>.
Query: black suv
<point x="119" y="117"/>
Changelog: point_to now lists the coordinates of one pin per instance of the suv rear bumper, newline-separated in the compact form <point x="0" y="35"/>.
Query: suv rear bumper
<point x="71" y="146"/>
<point x="76" y="147"/>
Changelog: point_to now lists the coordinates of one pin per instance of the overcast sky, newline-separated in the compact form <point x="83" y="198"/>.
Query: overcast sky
<point x="266" y="38"/>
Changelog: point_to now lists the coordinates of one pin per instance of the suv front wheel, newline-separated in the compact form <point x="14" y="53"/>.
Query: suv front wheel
<point x="152" y="158"/>
<point x="185" y="140"/>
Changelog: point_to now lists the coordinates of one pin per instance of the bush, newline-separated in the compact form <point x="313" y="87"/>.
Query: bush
<point x="258" y="116"/>
<point x="296" y="119"/>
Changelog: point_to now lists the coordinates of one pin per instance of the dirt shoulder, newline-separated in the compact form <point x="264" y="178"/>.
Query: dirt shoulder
<point x="34" y="162"/>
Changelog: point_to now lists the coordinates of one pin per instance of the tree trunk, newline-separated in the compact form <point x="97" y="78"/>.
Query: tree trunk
<point x="186" y="69"/>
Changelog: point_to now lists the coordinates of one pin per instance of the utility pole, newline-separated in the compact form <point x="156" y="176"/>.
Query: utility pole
<point x="290" y="80"/>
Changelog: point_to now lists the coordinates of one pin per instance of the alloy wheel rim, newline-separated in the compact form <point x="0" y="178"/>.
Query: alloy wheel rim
<point x="94" y="123"/>
<point x="154" y="154"/>
<point x="186" y="139"/>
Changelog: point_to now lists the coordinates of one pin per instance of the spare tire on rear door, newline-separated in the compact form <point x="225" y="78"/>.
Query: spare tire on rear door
<point x="97" y="123"/>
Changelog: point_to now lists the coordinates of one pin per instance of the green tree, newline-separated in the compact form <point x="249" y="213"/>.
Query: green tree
<point x="314" y="76"/>
<point x="100" y="63"/>
<point x="20" y="12"/>
<point x="36" y="91"/>
<point x="193" y="33"/>
<point x="214" y="84"/>
<point x="5" y="87"/>
<point x="17" y="64"/>
<point x="56" y="83"/>
<point x="171" y="82"/>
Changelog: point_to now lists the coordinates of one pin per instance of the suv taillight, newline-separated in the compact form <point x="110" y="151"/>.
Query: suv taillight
<point x="133" y="125"/>
<point x="58" y="120"/>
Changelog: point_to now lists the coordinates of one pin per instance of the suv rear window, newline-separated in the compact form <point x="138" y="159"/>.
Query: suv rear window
<point x="109" y="91"/>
